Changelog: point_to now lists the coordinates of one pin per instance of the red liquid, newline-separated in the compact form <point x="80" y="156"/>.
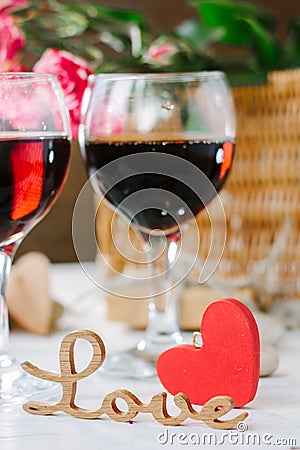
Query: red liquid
<point x="166" y="211"/>
<point x="32" y="172"/>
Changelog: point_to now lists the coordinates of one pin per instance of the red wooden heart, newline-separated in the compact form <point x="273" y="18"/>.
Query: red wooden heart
<point x="227" y="363"/>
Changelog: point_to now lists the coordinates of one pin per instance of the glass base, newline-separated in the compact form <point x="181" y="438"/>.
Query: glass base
<point x="140" y="361"/>
<point x="16" y="386"/>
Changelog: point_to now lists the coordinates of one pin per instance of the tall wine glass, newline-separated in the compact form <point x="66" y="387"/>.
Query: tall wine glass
<point x="34" y="157"/>
<point x="158" y="148"/>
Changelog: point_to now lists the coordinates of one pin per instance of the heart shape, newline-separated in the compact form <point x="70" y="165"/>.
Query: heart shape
<point x="227" y="363"/>
<point x="28" y="299"/>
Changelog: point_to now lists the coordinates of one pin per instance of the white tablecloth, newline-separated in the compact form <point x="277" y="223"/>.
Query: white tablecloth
<point x="274" y="417"/>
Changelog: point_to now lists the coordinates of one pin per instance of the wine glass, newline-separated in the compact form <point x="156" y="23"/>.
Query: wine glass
<point x="158" y="148"/>
<point x="35" y="153"/>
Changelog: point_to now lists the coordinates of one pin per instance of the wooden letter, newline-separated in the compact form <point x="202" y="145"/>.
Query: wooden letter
<point x="68" y="376"/>
<point x="218" y="407"/>
<point x="110" y="408"/>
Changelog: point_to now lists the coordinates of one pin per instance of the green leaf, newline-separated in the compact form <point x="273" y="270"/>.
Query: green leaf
<point x="105" y="13"/>
<point x="87" y="51"/>
<point x="94" y="53"/>
<point x="120" y="36"/>
<point x="197" y="35"/>
<point x="294" y="29"/>
<point x="49" y="38"/>
<point x="216" y="12"/>
<point x="113" y="41"/>
<point x="291" y="52"/>
<point x="232" y="16"/>
<point x="227" y="15"/>
<point x="70" y="23"/>
<point x="247" y="78"/>
<point x="265" y="45"/>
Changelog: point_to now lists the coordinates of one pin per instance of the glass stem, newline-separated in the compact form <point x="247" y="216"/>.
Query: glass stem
<point x="163" y="328"/>
<point x="5" y="265"/>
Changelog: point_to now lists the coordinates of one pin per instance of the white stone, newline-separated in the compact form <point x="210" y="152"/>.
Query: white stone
<point x="271" y="330"/>
<point x="269" y="359"/>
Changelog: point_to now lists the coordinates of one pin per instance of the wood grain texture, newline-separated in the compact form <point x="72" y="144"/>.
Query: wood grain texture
<point x="68" y="378"/>
<point x="28" y="297"/>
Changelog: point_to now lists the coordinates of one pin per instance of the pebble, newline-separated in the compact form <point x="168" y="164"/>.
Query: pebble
<point x="269" y="359"/>
<point x="270" y="328"/>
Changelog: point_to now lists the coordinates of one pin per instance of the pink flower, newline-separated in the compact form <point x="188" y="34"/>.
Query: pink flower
<point x="11" y="5"/>
<point x="162" y="50"/>
<point x="11" y="41"/>
<point x="161" y="53"/>
<point x="72" y="72"/>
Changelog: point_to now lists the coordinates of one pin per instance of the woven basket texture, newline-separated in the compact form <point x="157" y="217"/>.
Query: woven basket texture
<point x="261" y="197"/>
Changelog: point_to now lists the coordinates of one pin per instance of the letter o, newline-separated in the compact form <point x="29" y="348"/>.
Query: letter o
<point x="110" y="408"/>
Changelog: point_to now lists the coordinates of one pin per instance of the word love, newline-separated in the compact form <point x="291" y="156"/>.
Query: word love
<point x="68" y="378"/>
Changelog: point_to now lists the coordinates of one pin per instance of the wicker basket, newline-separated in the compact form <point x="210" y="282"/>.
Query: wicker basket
<point x="261" y="197"/>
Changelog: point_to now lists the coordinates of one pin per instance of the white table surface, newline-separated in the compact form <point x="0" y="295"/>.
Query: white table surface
<point x="273" y="415"/>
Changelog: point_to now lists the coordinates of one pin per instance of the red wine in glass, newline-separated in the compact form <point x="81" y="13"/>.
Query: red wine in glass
<point x="158" y="147"/>
<point x="35" y="141"/>
<point x="214" y="159"/>
<point x="32" y="173"/>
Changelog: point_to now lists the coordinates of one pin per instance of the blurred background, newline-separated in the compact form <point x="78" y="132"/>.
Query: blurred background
<point x="53" y="236"/>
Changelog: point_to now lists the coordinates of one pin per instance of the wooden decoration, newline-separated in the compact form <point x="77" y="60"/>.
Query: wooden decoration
<point x="28" y="298"/>
<point x="68" y="378"/>
<point x="194" y="300"/>
<point x="225" y="361"/>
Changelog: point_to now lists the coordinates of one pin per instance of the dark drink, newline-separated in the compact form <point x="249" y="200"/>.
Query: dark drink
<point x="32" y="173"/>
<point x="173" y="198"/>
